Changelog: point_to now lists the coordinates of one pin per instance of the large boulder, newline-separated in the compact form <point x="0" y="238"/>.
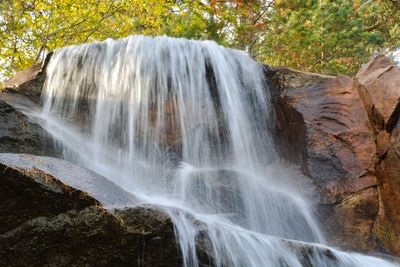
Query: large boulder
<point x="379" y="88"/>
<point x="344" y="133"/>
<point x="30" y="81"/>
<point x="331" y="134"/>
<point x="46" y="221"/>
<point x="20" y="132"/>
<point x="387" y="227"/>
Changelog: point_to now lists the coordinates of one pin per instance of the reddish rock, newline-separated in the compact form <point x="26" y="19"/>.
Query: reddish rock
<point x="30" y="81"/>
<point x="324" y="128"/>
<point x="24" y="76"/>
<point x="170" y="128"/>
<point x="327" y="121"/>
<point x="379" y="87"/>
<point x="345" y="134"/>
<point x="352" y="219"/>
<point x="290" y="126"/>
<point x="387" y="228"/>
<point x="382" y="143"/>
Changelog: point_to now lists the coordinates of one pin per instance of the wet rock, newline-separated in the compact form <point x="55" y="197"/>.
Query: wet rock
<point x="379" y="88"/>
<point x="21" y="133"/>
<point x="379" y="82"/>
<point x="90" y="236"/>
<point x="327" y="132"/>
<point x="154" y="232"/>
<point x="29" y="82"/>
<point x="387" y="228"/>
<point x="344" y="133"/>
<point x="325" y="129"/>
<point x="30" y="193"/>
<point x="352" y="220"/>
<point x="69" y="175"/>
<point x="290" y="126"/>
<point x="45" y="221"/>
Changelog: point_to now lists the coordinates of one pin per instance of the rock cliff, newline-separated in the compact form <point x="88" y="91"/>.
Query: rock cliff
<point x="344" y="133"/>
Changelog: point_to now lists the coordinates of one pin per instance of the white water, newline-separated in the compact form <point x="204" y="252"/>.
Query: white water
<point x="183" y="125"/>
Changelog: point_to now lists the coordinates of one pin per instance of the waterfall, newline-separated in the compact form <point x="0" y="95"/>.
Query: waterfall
<point x="184" y="125"/>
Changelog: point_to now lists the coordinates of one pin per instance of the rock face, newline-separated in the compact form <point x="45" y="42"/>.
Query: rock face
<point x="379" y="82"/>
<point x="337" y="141"/>
<point x="30" y="82"/>
<point x="20" y="133"/>
<point x="19" y="109"/>
<point x="45" y="221"/>
<point x="344" y="133"/>
<point x="379" y="88"/>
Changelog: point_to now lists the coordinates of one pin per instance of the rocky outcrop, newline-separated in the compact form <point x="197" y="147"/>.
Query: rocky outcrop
<point x="342" y="132"/>
<point x="29" y="82"/>
<point x="19" y="132"/>
<point x="349" y="222"/>
<point x="327" y="125"/>
<point x="45" y="221"/>
<point x="55" y="213"/>
<point x="387" y="227"/>
<point x="379" y="88"/>
<point x="379" y="82"/>
<point x="48" y="222"/>
<point x="66" y="173"/>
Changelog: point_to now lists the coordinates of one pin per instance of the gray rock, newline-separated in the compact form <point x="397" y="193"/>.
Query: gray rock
<point x="46" y="222"/>
<point x="19" y="131"/>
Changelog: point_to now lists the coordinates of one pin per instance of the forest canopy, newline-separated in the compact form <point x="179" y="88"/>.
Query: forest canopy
<point x="330" y="37"/>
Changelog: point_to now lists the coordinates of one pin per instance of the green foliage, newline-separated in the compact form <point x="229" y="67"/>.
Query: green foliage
<point x="332" y="37"/>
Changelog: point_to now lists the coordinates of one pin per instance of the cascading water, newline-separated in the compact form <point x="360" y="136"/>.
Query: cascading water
<point x="183" y="125"/>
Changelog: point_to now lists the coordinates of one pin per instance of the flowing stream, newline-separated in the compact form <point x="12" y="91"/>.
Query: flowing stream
<point x="183" y="125"/>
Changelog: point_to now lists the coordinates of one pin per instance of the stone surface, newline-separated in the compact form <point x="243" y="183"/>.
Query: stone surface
<point x="324" y="128"/>
<point x="387" y="228"/>
<point x="291" y="143"/>
<point x="328" y="133"/>
<point x="353" y="218"/>
<point x="29" y="82"/>
<point x="45" y="222"/>
<point x="344" y="133"/>
<point x="24" y="76"/>
<point x="379" y="87"/>
<point x="388" y="225"/>
<point x="20" y="133"/>
<point x="71" y="175"/>
<point x="27" y="194"/>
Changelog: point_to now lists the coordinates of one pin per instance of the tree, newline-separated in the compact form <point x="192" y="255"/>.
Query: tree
<point x="332" y="37"/>
<point x="30" y="28"/>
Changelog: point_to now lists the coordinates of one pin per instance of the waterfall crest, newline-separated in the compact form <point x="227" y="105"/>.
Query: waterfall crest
<point x="184" y="125"/>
